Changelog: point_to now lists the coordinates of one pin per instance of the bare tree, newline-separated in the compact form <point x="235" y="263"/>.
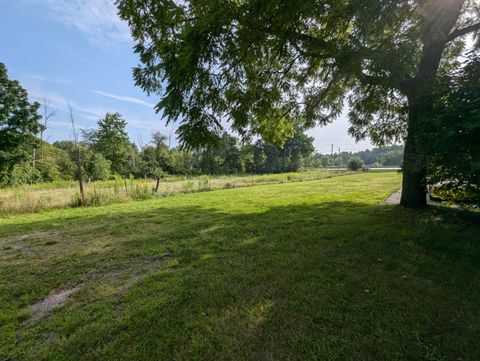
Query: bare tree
<point x="140" y="140"/>
<point x="78" y="156"/>
<point x="47" y="113"/>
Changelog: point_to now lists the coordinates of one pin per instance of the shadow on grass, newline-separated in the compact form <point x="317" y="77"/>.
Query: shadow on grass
<point x="336" y="280"/>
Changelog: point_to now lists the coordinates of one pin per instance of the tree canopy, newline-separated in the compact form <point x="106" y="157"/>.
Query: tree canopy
<point x="111" y="140"/>
<point x="265" y="65"/>
<point x="18" y="123"/>
<point x="455" y="150"/>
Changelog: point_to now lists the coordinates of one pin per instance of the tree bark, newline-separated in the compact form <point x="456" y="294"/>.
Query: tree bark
<point x="414" y="169"/>
<point x="81" y="177"/>
<point x="441" y="18"/>
<point x="81" y="181"/>
<point x="41" y="144"/>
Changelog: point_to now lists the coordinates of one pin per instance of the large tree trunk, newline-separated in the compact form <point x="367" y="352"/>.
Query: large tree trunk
<point x="414" y="172"/>
<point x="441" y="17"/>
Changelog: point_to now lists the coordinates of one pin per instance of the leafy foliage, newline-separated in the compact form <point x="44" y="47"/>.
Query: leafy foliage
<point x="98" y="167"/>
<point x="18" y="124"/>
<point x="454" y="151"/>
<point x="156" y="157"/>
<point x="355" y="164"/>
<point x="111" y="140"/>
<point x="273" y="159"/>
<point x="265" y="65"/>
<point x="24" y="173"/>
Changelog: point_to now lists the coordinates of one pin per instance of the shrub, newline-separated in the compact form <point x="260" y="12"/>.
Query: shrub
<point x="24" y="173"/>
<point x="49" y="170"/>
<point x="355" y="164"/>
<point x="99" y="167"/>
<point x="229" y="185"/>
<point x="188" y="187"/>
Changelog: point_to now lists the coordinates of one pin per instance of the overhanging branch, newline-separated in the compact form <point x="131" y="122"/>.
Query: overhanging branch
<point x="466" y="30"/>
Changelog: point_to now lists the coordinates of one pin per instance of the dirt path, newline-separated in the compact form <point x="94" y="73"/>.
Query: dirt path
<point x="394" y="198"/>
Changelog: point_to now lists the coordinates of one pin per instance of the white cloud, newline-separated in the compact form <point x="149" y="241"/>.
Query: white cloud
<point x="51" y="80"/>
<point x="62" y="125"/>
<point x="60" y="103"/>
<point x="86" y="116"/>
<point x="97" y="19"/>
<point x="123" y="98"/>
<point x="55" y="100"/>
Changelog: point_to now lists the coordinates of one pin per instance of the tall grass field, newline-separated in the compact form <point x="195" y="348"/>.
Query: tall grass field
<point x="61" y="194"/>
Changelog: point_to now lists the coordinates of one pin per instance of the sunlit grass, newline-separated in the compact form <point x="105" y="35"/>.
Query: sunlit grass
<point x="318" y="270"/>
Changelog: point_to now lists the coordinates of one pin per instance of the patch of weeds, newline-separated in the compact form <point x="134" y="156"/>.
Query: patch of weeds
<point x="188" y="187"/>
<point x="229" y="185"/>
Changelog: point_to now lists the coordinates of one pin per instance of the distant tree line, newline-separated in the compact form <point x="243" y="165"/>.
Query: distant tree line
<point x="383" y="156"/>
<point x="107" y="151"/>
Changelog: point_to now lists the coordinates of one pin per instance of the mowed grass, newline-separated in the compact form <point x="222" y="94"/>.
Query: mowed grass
<point x="317" y="270"/>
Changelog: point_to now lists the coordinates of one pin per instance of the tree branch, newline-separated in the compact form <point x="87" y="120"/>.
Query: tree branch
<point x="460" y="32"/>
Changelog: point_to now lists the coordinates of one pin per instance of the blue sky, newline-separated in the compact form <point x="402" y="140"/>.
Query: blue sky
<point x="79" y="51"/>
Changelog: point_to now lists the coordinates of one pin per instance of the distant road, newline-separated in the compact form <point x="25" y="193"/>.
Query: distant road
<point x="370" y="168"/>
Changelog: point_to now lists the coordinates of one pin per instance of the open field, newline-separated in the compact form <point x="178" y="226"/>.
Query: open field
<point x="318" y="270"/>
<point x="37" y="197"/>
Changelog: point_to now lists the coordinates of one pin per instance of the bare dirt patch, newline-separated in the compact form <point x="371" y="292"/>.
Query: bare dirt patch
<point x="14" y="242"/>
<point x="123" y="279"/>
<point x="54" y="300"/>
<point x="139" y="272"/>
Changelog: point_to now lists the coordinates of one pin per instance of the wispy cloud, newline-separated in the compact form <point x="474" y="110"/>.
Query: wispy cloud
<point x="97" y="19"/>
<point x="86" y="116"/>
<point x="55" y="100"/>
<point x="59" y="102"/>
<point x="123" y="98"/>
<point x="51" y="80"/>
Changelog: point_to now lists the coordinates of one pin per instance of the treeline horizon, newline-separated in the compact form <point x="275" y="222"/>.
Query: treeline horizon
<point x="107" y="151"/>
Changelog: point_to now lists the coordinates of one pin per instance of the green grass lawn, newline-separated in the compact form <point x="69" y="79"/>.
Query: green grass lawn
<point x="317" y="270"/>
